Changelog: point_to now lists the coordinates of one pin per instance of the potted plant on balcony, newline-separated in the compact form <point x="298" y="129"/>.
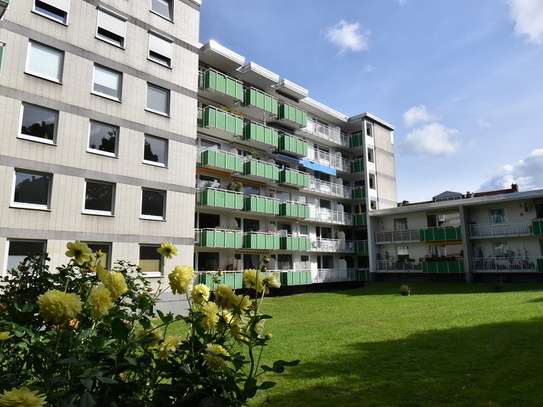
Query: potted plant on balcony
<point x="405" y="290"/>
<point x="235" y="186"/>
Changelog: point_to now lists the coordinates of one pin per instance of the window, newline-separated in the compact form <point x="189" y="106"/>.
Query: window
<point x="32" y="189"/>
<point x="53" y="9"/>
<point x="45" y="61"/>
<point x="400" y="224"/>
<point x="150" y="260"/>
<point x="39" y="124"/>
<point x="158" y="99"/>
<point x="105" y="249"/>
<point x="325" y="203"/>
<point x="208" y="182"/>
<point x="208" y="261"/>
<point x="99" y="197"/>
<point x="163" y="8"/>
<point x="111" y="28"/>
<point x="370" y="155"/>
<point x="2" y="45"/>
<point x="19" y="249"/>
<point x="251" y="225"/>
<point x="103" y="138"/>
<point x="284" y="261"/>
<point x="503" y="249"/>
<point x="107" y="82"/>
<point x="160" y="49"/>
<point x="498" y="216"/>
<point x="372" y="181"/>
<point x="402" y="252"/>
<point x="283" y="196"/>
<point x="155" y="150"/>
<point x="251" y="189"/>
<point x="369" y="129"/>
<point x="304" y="230"/>
<point x="443" y="219"/>
<point x="153" y="204"/>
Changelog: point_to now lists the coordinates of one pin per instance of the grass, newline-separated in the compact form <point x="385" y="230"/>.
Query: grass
<point x="445" y="345"/>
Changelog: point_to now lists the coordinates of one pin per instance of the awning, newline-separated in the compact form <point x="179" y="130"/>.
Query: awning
<point x="318" y="167"/>
<point x="287" y="158"/>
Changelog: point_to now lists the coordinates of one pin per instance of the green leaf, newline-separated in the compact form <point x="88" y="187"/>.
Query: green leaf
<point x="119" y="330"/>
<point x="86" y="400"/>
<point x="87" y="383"/>
<point x="267" y="385"/>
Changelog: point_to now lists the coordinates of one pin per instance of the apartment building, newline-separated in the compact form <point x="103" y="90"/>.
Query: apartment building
<point x="472" y="237"/>
<point x="98" y="128"/>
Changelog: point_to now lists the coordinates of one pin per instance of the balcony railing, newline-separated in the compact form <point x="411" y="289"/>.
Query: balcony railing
<point x="221" y="198"/>
<point x="505" y="264"/>
<point x="297" y="243"/>
<point x="261" y="240"/>
<point x="293" y="210"/>
<point x="214" y="118"/>
<point x="261" y="169"/>
<point x="397" y="236"/>
<point x="537" y="225"/>
<point x="334" y="275"/>
<point x="330" y="160"/>
<point x="325" y="245"/>
<point x="485" y="230"/>
<point x="440" y="234"/>
<point x="219" y="238"/>
<point x="326" y="132"/>
<point x="329" y="216"/>
<point x="260" y="133"/>
<point x="257" y="203"/>
<point x="292" y="145"/>
<point x="217" y="81"/>
<point x="452" y="266"/>
<point x="257" y="98"/>
<point x="221" y="160"/>
<point x="292" y="114"/>
<point x="384" y="266"/>
<point x="293" y="178"/>
<point x="328" y="188"/>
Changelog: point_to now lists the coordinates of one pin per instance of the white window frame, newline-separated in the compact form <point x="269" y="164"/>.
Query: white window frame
<point x="2" y="51"/>
<point x="166" y="147"/>
<point x="29" y="205"/>
<point x="102" y="152"/>
<point x="59" y="12"/>
<point x="30" y="137"/>
<point x="166" y="92"/>
<point x="153" y="273"/>
<point x="107" y="263"/>
<point x="160" y="49"/>
<point x="110" y="25"/>
<point x="158" y="13"/>
<point x="153" y="217"/>
<point x="7" y="265"/>
<point x="102" y="70"/>
<point x="99" y="211"/>
<point x="33" y="67"/>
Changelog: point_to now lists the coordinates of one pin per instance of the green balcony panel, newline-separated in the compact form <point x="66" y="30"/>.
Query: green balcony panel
<point x="540" y="265"/>
<point x="261" y="169"/>
<point x="256" y="203"/>
<point x="293" y="210"/>
<point x="359" y="193"/>
<point x="440" y="234"/>
<point x="221" y="238"/>
<point x="293" y="114"/>
<point x="221" y="199"/>
<point x="360" y="219"/>
<point x="357" y="166"/>
<point x="357" y="140"/>
<point x="223" y="121"/>
<point x="443" y="266"/>
<point x="295" y="278"/>
<point x="294" y="243"/>
<point x="253" y="97"/>
<point x="362" y="246"/>
<point x="261" y="241"/>
<point x="221" y="160"/>
<point x="537" y="227"/>
<point x="256" y="132"/>
<point x="294" y="178"/>
<point x="222" y="83"/>
<point x="363" y="275"/>
<point x="292" y="145"/>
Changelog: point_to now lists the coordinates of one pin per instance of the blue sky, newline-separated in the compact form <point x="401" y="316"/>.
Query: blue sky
<point x="461" y="80"/>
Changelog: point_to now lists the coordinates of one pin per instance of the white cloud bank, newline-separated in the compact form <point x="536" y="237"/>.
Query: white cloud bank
<point x="527" y="173"/>
<point x="348" y="37"/>
<point x="428" y="138"/>
<point x="528" y="18"/>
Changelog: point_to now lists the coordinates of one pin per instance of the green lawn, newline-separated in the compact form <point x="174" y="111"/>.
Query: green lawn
<point x="445" y="345"/>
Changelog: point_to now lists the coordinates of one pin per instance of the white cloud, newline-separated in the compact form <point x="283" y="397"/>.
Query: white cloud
<point x="348" y="36"/>
<point x="482" y="124"/>
<point x="401" y="2"/>
<point x="417" y="114"/>
<point x="528" y="18"/>
<point x="527" y="173"/>
<point x="432" y="139"/>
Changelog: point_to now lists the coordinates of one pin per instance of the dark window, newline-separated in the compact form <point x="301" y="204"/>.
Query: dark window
<point x="39" y="122"/>
<point x="153" y="203"/>
<point x="99" y="196"/>
<point x="103" y="137"/>
<point x="155" y="150"/>
<point x="32" y="188"/>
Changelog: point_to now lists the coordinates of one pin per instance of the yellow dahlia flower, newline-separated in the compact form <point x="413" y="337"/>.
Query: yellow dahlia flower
<point x="57" y="306"/>
<point x="211" y="317"/>
<point x="100" y="299"/>
<point x="168" y="346"/>
<point x="167" y="249"/>
<point x="181" y="279"/>
<point x="225" y="319"/>
<point x="116" y="284"/>
<point x="102" y="273"/>
<point x="22" y="397"/>
<point x="79" y="251"/>
<point x="212" y="358"/>
<point x="270" y="281"/>
<point x="243" y="302"/>
<point x="200" y="293"/>
<point x="224" y="296"/>
<point x="153" y="334"/>
<point x="4" y="336"/>
<point x="253" y="279"/>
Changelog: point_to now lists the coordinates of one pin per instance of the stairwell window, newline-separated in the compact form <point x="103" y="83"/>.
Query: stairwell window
<point x="111" y="28"/>
<point x="44" y="61"/>
<point x="54" y="9"/>
<point x="32" y="190"/>
<point x="39" y="124"/>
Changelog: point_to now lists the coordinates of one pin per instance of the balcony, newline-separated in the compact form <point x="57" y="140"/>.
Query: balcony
<point x="360" y="219"/>
<point x="398" y="236"/>
<point x="221" y="198"/>
<point x="329" y="160"/>
<point x="220" y="238"/>
<point x="329" y="216"/>
<point x="384" y="266"/>
<point x="292" y="145"/>
<point x="455" y="266"/>
<point x="294" y="243"/>
<point x="261" y="240"/>
<point x="293" y="210"/>
<point x="356" y="139"/>
<point x="334" y="135"/>
<point x="221" y="160"/>
<point x="334" y="275"/>
<point x="357" y="166"/>
<point x="361" y="246"/>
<point x="440" y="234"/>
<point x="325" y="245"/>
<point x="261" y="134"/>
<point x="359" y="193"/>
<point x="485" y="230"/>
<point x="526" y="264"/>
<point x="293" y="178"/>
<point x="540" y="265"/>
<point x="261" y="169"/>
<point x="537" y="225"/>
<point x="292" y="115"/>
<point x="261" y="100"/>
<point x="295" y="277"/>
<point x="256" y="203"/>
<point x="216" y="119"/>
<point x="233" y="278"/>
<point x="328" y="188"/>
<point x="219" y="82"/>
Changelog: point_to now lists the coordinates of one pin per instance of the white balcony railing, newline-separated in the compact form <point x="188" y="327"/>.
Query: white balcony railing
<point x="334" y="275"/>
<point x="325" y="132"/>
<point x="328" y="188"/>
<point x="329" y="216"/>
<point x="526" y="264"/>
<point x="397" y="236"/>
<point x="485" y="230"/>
<point x="384" y="266"/>
<point x="330" y="160"/>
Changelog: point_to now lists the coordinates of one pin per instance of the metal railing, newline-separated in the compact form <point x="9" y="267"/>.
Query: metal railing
<point x="328" y="188"/>
<point x="485" y="230"/>
<point x="330" y="160"/>
<point x="329" y="216"/>
<point x="392" y="266"/>
<point x="334" y="275"/>
<point x="397" y="236"/>
<point x="505" y="264"/>
<point x="326" y="132"/>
